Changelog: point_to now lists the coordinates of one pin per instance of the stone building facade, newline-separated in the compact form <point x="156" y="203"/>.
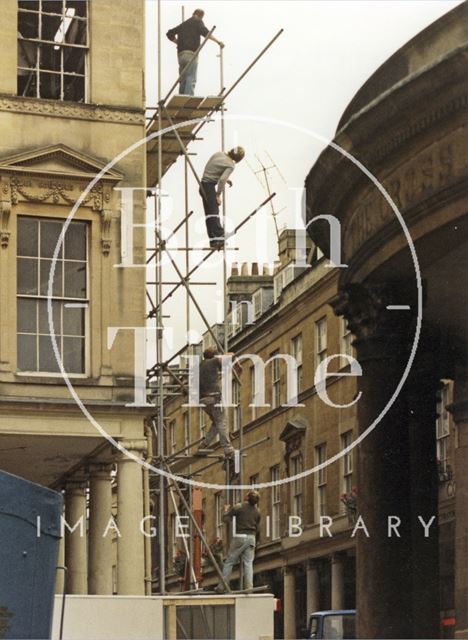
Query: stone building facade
<point x="71" y="99"/>
<point x="407" y="126"/>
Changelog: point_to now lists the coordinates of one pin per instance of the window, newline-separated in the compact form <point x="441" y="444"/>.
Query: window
<point x="320" y="482"/>
<point x="186" y="432"/>
<point x="442" y="428"/>
<point x="255" y="479"/>
<point x="296" y="487"/>
<point x="275" y="381"/>
<point x="254" y="394"/>
<point x="37" y="239"/>
<point x="347" y="466"/>
<point x="346" y="338"/>
<point x="275" y="503"/>
<point x="296" y="348"/>
<point x="219" y="524"/>
<point x="320" y="340"/>
<point x="172" y="436"/>
<point x="53" y="49"/>
<point x="236" y="410"/>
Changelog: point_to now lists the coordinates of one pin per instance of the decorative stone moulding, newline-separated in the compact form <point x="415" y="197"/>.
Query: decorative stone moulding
<point x="56" y="175"/>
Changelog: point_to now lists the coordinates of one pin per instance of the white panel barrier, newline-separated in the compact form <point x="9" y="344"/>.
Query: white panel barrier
<point x="142" y="617"/>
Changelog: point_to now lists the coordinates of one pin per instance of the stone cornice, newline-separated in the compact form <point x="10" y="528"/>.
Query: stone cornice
<point x="72" y="110"/>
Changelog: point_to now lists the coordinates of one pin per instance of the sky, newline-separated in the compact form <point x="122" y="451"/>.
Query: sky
<point x="283" y="112"/>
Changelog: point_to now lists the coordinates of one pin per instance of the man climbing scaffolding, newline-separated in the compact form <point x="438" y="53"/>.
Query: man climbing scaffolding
<point x="187" y="37"/>
<point x="215" y="177"/>
<point x="245" y="520"/>
<point x="210" y="398"/>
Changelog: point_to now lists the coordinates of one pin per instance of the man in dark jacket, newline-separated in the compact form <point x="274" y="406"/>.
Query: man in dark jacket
<point x="187" y="36"/>
<point x="245" y="520"/>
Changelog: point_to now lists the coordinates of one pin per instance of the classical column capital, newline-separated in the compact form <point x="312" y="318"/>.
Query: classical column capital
<point x="365" y="308"/>
<point x="76" y="486"/>
<point x="100" y="470"/>
<point x="137" y="448"/>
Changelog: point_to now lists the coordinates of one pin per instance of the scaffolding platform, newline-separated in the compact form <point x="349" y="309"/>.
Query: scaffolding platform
<point x="180" y="109"/>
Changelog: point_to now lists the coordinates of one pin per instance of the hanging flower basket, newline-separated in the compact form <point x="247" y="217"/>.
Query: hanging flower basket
<point x="350" y="502"/>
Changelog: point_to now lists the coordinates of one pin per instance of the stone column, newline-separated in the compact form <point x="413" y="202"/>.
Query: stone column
<point x="460" y="414"/>
<point x="421" y="391"/>
<point x="289" y="614"/>
<point x="75" y="537"/>
<point x="312" y="587"/>
<point x="383" y="563"/>
<point x="337" y="581"/>
<point x="130" y="544"/>
<point x="100" y="546"/>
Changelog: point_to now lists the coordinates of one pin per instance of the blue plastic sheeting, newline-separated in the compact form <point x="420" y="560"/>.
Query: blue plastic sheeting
<point x="29" y="539"/>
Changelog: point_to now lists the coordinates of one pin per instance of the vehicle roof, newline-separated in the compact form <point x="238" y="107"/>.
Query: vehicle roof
<point x="331" y="612"/>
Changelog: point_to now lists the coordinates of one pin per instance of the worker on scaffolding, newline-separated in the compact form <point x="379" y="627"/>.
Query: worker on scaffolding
<point x="245" y="519"/>
<point x="187" y="37"/>
<point x="210" y="399"/>
<point x="215" y="177"/>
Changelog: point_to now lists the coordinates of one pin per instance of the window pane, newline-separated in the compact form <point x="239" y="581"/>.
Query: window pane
<point x="32" y="5"/>
<point x="49" y="57"/>
<point x="75" y="279"/>
<point x="26" y="353"/>
<point x="50" y="233"/>
<point x="27" y="84"/>
<point x="74" y="60"/>
<point x="27" y="276"/>
<point x="27" y="56"/>
<point x="28" y="24"/>
<point x="73" y="321"/>
<point x="74" y="88"/>
<point x="50" y="28"/>
<point x="75" y="32"/>
<point x="47" y="361"/>
<point x="80" y="7"/>
<point x="27" y="237"/>
<point x="49" y="86"/>
<point x="52" y="6"/>
<point x="57" y="278"/>
<point x="75" y="241"/>
<point x="73" y="355"/>
<point x="44" y="317"/>
<point x="26" y="316"/>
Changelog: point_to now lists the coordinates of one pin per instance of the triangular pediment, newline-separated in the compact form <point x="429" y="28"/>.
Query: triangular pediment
<point x="295" y="426"/>
<point x="58" y="160"/>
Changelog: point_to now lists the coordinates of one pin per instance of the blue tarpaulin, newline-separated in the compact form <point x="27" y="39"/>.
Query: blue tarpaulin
<point x="29" y="539"/>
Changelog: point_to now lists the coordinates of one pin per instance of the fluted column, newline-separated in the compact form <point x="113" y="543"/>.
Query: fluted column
<point x="337" y="581"/>
<point x="460" y="414"/>
<point x="383" y="562"/>
<point x="289" y="613"/>
<point x="130" y="544"/>
<point x="312" y="587"/>
<point x="75" y="540"/>
<point x="100" y="546"/>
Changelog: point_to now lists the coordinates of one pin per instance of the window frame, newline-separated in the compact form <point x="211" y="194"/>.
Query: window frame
<point x="443" y="427"/>
<point x="85" y="301"/>
<point x="275" y="503"/>
<point x="321" y="348"/>
<point x="39" y="42"/>
<point x="275" y="380"/>
<point x="297" y="354"/>
<point x="297" y="487"/>
<point x="320" y="502"/>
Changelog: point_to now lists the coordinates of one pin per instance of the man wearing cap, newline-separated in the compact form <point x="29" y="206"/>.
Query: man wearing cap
<point x="187" y="36"/>
<point x="245" y="520"/>
<point x="215" y="177"/>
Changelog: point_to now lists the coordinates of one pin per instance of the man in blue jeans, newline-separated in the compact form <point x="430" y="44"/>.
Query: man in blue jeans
<point x="215" y="177"/>
<point x="245" y="532"/>
<point x="187" y="36"/>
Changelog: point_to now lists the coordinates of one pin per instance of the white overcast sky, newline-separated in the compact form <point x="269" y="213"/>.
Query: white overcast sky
<point x="304" y="82"/>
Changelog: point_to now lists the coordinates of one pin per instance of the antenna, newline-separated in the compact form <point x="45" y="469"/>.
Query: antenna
<point x="264" y="170"/>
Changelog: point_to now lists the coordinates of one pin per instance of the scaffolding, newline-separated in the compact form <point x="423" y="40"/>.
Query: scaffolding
<point x="165" y="380"/>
